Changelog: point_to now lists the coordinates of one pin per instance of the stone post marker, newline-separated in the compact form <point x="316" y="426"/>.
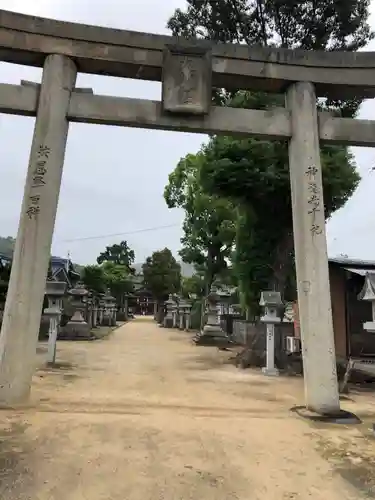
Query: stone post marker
<point x="19" y="333"/>
<point x="55" y="291"/>
<point x="271" y="302"/>
<point x="314" y="300"/>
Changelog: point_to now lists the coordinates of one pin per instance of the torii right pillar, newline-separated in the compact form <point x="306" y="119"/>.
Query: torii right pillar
<point x="314" y="298"/>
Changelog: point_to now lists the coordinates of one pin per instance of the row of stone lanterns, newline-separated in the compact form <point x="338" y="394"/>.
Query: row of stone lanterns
<point x="178" y="313"/>
<point x="88" y="312"/>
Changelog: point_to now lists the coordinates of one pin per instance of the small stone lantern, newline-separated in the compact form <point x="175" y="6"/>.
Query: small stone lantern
<point x="175" y="309"/>
<point x="109" y="309"/>
<point x="55" y="291"/>
<point x="101" y="309"/>
<point x="170" y="305"/>
<point x="368" y="294"/>
<point x="188" y="307"/>
<point x="89" y="306"/>
<point x="271" y="302"/>
<point x="181" y="314"/>
<point x="77" y="327"/>
<point x="94" y="312"/>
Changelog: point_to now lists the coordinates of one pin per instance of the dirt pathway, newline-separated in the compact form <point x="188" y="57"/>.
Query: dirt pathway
<point x="145" y="415"/>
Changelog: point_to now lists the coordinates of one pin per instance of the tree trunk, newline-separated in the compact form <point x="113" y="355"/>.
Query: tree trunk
<point x="282" y="264"/>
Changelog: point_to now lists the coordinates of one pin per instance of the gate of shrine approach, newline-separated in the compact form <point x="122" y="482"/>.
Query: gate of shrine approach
<point x="188" y="70"/>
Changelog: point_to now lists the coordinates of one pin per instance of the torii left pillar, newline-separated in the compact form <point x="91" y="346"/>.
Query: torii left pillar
<point x="23" y="307"/>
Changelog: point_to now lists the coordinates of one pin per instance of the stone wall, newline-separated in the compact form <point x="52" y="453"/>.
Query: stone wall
<point x="252" y="336"/>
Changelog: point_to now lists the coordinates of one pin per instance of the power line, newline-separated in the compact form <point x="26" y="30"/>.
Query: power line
<point x="101" y="236"/>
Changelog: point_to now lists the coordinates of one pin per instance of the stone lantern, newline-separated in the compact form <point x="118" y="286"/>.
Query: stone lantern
<point x="171" y="306"/>
<point x="55" y="291"/>
<point x="212" y="333"/>
<point x="175" y="309"/>
<point x="89" y="306"/>
<point x="101" y="309"/>
<point x="109" y="309"/>
<point x="181" y="314"/>
<point x="271" y="302"/>
<point x="188" y="307"/>
<point x="94" y="312"/>
<point x="77" y="327"/>
<point x="225" y="297"/>
<point x="368" y="294"/>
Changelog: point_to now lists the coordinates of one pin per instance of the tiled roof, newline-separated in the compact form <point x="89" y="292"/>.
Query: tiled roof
<point x="341" y="261"/>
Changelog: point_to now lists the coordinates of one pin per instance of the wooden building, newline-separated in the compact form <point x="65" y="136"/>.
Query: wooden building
<point x="347" y="278"/>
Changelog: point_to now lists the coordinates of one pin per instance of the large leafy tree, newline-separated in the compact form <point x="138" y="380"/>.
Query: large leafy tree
<point x="208" y="226"/>
<point x="304" y="24"/>
<point x="254" y="173"/>
<point x="162" y="274"/>
<point x="93" y="278"/>
<point x="120" y="254"/>
<point x="118" y="279"/>
<point x="193" y="286"/>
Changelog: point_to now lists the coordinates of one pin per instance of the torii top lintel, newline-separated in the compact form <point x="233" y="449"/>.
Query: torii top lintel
<point x="129" y="54"/>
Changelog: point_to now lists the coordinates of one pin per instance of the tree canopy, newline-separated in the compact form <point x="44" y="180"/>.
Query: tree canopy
<point x="208" y="226"/>
<point x="114" y="271"/>
<point x="93" y="278"/>
<point x="120" y="254"/>
<point x="162" y="274"/>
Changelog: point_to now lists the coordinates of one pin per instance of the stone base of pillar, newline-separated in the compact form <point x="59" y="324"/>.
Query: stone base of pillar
<point x="212" y="335"/>
<point x="76" y="331"/>
<point x="168" y="323"/>
<point x="270" y="372"/>
<point x="122" y="316"/>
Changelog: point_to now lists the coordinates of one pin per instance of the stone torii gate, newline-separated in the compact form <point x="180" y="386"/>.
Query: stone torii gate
<point x="188" y="69"/>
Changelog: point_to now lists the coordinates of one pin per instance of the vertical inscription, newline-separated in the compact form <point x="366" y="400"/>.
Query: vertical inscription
<point x="38" y="181"/>
<point x="187" y="81"/>
<point x="314" y="199"/>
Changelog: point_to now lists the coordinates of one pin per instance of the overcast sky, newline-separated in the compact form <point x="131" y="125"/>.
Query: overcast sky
<point x="114" y="177"/>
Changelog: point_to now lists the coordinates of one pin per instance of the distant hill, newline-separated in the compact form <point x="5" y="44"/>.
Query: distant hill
<point x="187" y="270"/>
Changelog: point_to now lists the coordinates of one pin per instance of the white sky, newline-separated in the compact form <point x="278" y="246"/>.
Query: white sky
<point x="114" y="177"/>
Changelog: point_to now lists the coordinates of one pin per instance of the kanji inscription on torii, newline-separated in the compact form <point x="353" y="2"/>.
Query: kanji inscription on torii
<point x="186" y="80"/>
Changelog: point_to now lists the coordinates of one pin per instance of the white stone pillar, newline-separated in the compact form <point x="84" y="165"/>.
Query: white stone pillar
<point x="19" y="333"/>
<point x="314" y="300"/>
<point x="270" y="368"/>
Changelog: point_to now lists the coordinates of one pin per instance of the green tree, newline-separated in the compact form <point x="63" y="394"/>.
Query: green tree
<point x="193" y="286"/>
<point x="94" y="278"/>
<point x="305" y="24"/>
<point x="208" y="226"/>
<point x="254" y="173"/>
<point x="118" y="279"/>
<point x="162" y="274"/>
<point x="120" y="254"/>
